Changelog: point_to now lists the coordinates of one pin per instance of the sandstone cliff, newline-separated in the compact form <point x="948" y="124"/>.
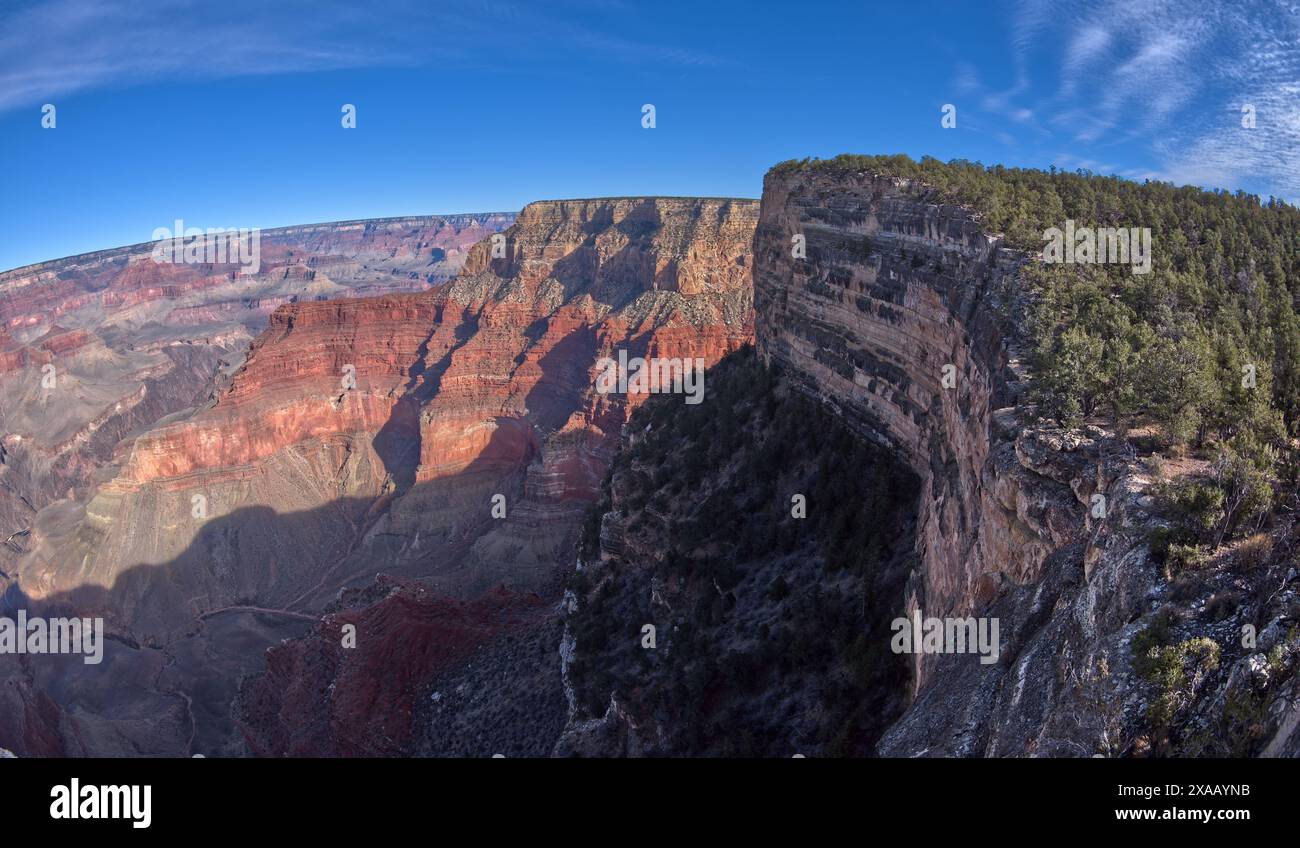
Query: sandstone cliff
<point x="904" y="317"/>
<point x="503" y="393"/>
<point x="487" y="377"/>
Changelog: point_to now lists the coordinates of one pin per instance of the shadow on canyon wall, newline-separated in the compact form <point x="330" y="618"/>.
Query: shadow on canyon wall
<point x="617" y="280"/>
<point x="180" y="636"/>
<point x="398" y="442"/>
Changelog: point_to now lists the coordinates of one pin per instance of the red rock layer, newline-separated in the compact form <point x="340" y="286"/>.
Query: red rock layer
<point x="397" y="254"/>
<point x="352" y="692"/>
<point x="134" y="341"/>
<point x="512" y="338"/>
<point x="376" y="434"/>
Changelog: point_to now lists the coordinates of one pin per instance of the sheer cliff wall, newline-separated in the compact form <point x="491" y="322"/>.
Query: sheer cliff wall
<point x="891" y="316"/>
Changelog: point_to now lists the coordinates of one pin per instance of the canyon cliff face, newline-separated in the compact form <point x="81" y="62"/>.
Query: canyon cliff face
<point x="892" y="311"/>
<point x="369" y="435"/>
<point x="502" y="403"/>
<point x="893" y="319"/>
<point x="904" y="318"/>
<point x="104" y="346"/>
<point x="363" y="407"/>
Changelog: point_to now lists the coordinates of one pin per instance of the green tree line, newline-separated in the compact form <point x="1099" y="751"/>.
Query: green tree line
<point x="1205" y="347"/>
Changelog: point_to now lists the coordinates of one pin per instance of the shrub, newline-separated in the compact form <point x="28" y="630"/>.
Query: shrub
<point x="1158" y="540"/>
<point x="1254" y="551"/>
<point x="1197" y="506"/>
<point x="1186" y="587"/>
<point x="1146" y="644"/>
<point x="1168" y="670"/>
<point x="1181" y="558"/>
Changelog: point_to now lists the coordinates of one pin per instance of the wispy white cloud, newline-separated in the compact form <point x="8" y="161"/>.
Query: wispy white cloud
<point x="1263" y="72"/>
<point x="1087" y="45"/>
<point x="68" y="46"/>
<point x="63" y="47"/>
<point x="1167" y="78"/>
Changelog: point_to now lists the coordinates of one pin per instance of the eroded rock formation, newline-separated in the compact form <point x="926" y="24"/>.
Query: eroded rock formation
<point x="99" y="346"/>
<point x="374" y="435"/>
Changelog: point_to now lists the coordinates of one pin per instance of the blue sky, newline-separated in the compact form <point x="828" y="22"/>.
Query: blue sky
<point x="228" y="115"/>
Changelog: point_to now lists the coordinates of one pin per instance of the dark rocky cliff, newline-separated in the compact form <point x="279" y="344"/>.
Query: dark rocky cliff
<point x="898" y="291"/>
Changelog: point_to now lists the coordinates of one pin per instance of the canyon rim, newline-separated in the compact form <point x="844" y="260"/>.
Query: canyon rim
<point x="336" y="522"/>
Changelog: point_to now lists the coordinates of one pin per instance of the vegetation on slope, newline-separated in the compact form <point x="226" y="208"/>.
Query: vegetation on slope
<point x="772" y="630"/>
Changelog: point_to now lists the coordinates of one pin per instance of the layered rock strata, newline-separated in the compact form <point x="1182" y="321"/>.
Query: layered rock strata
<point x="897" y="317"/>
<point x="905" y="315"/>
<point x="102" y="345"/>
<point x="372" y="435"/>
